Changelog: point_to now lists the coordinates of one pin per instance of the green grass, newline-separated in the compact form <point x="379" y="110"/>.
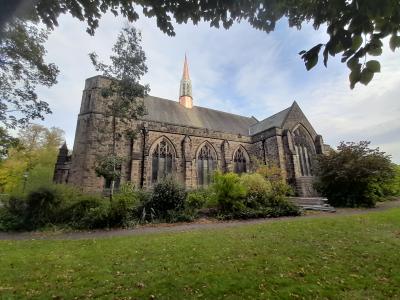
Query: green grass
<point x="348" y="257"/>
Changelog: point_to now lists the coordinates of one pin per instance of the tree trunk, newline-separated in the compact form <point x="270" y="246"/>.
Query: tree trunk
<point x="113" y="153"/>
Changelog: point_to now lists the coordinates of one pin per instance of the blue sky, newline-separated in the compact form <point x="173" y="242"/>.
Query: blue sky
<point x="240" y="70"/>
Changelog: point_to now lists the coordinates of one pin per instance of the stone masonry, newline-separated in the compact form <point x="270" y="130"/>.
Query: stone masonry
<point x="286" y="139"/>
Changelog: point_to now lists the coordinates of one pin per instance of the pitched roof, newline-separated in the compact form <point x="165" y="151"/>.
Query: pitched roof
<point x="275" y="120"/>
<point x="168" y="111"/>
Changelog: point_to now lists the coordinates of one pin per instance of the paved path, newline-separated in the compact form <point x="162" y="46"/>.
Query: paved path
<point x="181" y="227"/>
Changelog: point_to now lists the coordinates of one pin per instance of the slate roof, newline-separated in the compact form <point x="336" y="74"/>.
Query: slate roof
<point x="168" y="111"/>
<point x="171" y="112"/>
<point x="275" y="120"/>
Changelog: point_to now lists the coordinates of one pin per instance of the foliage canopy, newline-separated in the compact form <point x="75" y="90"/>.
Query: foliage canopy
<point x="356" y="28"/>
<point x="22" y="69"/>
<point x="354" y="175"/>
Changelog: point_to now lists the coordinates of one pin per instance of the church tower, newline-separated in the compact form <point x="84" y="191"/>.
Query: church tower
<point x="185" y="92"/>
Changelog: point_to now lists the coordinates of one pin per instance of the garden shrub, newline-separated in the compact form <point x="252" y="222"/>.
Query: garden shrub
<point x="229" y="192"/>
<point x="124" y="206"/>
<point x="392" y="186"/>
<point x="281" y="189"/>
<point x="12" y="213"/>
<point x="200" y="198"/>
<point x="251" y="196"/>
<point x="258" y="190"/>
<point x="42" y="207"/>
<point x="167" y="198"/>
<point x="355" y="175"/>
<point x="256" y="185"/>
<point x="88" y="212"/>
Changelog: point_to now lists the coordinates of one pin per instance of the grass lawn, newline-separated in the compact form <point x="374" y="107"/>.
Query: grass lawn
<point x="346" y="257"/>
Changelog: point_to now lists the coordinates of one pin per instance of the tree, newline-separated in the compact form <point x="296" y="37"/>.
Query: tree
<point x="7" y="142"/>
<point x="355" y="175"/>
<point x="128" y="65"/>
<point x="22" y="69"/>
<point x="31" y="162"/>
<point x="356" y="28"/>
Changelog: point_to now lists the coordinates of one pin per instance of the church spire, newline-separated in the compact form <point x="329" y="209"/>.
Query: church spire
<point x="185" y="92"/>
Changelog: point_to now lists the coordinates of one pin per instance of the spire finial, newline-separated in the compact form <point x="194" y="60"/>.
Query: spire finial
<point x="185" y="93"/>
<point x="185" y="70"/>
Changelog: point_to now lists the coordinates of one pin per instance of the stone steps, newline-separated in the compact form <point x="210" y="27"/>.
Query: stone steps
<point x="312" y="203"/>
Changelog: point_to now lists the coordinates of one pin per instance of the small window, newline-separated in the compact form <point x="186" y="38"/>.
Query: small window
<point x="240" y="162"/>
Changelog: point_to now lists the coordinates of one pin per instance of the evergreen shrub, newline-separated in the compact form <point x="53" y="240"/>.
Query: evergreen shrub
<point x="124" y="208"/>
<point x="166" y="200"/>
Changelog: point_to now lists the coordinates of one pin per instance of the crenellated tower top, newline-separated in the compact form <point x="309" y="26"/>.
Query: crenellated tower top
<point x="185" y="91"/>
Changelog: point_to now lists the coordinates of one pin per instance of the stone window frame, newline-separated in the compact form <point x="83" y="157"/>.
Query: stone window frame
<point x="241" y="168"/>
<point x="305" y="149"/>
<point x="210" y="165"/>
<point x="172" y="149"/>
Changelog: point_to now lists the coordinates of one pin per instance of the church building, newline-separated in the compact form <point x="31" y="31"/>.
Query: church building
<point x="187" y="141"/>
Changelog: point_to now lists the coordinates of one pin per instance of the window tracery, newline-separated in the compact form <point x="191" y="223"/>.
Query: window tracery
<point x="240" y="162"/>
<point x="206" y="164"/>
<point x="162" y="160"/>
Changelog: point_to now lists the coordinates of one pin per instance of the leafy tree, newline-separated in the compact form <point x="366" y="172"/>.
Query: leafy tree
<point x="354" y="175"/>
<point x="392" y="187"/>
<point x="22" y="69"/>
<point x="123" y="94"/>
<point x="34" y="157"/>
<point x="356" y="28"/>
<point x="6" y="143"/>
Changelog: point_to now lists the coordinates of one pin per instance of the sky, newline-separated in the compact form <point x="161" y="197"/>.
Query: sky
<point x="240" y="70"/>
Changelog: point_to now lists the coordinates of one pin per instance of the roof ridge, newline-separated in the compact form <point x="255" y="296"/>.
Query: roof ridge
<point x="196" y="106"/>
<point x="271" y="116"/>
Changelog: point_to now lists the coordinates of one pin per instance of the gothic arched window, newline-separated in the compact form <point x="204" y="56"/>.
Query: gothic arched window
<point x="161" y="163"/>
<point x="304" y="151"/>
<point x="206" y="164"/>
<point x="240" y="162"/>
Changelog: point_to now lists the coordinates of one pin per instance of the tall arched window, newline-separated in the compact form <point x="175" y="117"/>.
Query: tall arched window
<point x="304" y="150"/>
<point x="206" y="164"/>
<point x="162" y="159"/>
<point x="240" y="162"/>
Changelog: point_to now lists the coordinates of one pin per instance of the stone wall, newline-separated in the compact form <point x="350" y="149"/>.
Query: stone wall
<point x="93" y="139"/>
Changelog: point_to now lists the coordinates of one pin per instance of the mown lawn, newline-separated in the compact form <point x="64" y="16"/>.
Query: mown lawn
<point x="348" y="257"/>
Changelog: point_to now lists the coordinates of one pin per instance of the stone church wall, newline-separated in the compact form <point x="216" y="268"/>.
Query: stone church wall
<point x="274" y="146"/>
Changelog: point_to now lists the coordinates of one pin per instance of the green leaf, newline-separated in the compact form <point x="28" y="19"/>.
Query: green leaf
<point x="354" y="77"/>
<point x="366" y="76"/>
<point x="394" y="42"/>
<point x="374" y="66"/>
<point x="374" y="51"/>
<point x="353" y="63"/>
<point x="311" y="62"/>
<point x="357" y="41"/>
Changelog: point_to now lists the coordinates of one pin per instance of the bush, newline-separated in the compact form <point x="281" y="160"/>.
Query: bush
<point x="42" y="207"/>
<point x="124" y="206"/>
<point x="256" y="185"/>
<point x="270" y="173"/>
<point x="87" y="212"/>
<point x="167" y="198"/>
<point x="354" y="175"/>
<point x="229" y="192"/>
<point x="12" y="214"/>
<point x="203" y="197"/>
<point x="251" y="196"/>
<point x="392" y="186"/>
